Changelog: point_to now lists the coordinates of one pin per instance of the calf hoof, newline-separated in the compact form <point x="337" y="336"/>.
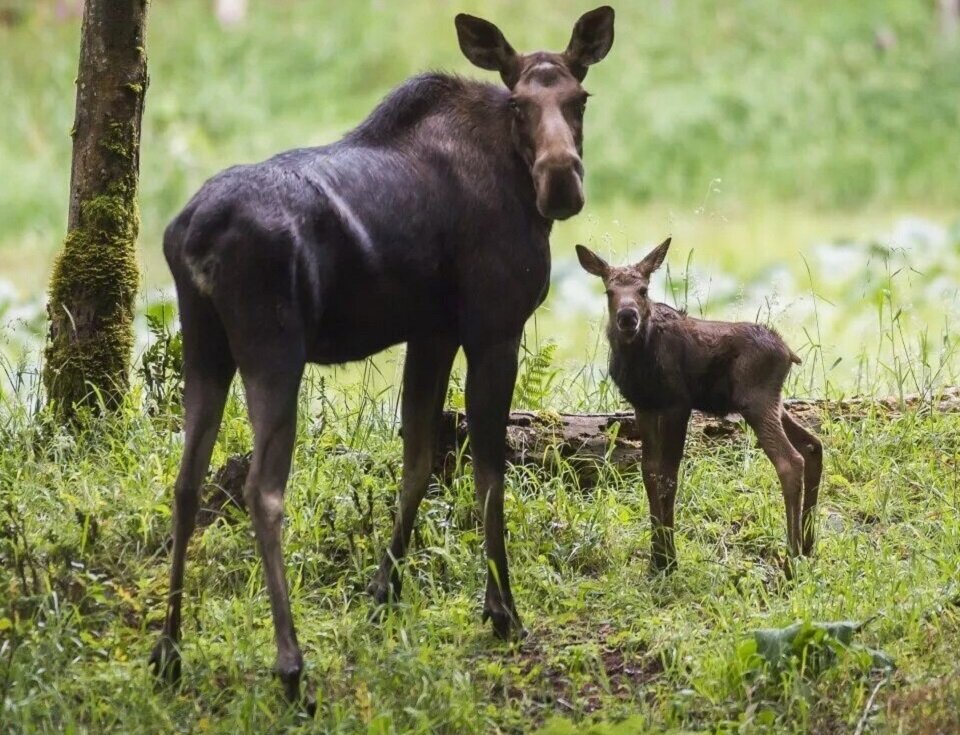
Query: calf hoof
<point x="506" y="623"/>
<point x="165" y="660"/>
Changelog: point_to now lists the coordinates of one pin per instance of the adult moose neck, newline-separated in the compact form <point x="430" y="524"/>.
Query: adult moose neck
<point x="462" y="125"/>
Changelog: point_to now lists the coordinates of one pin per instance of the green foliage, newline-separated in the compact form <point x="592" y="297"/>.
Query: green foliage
<point x="814" y="645"/>
<point x="781" y="101"/>
<point x="85" y="518"/>
<point x="536" y="375"/>
<point x="563" y="726"/>
<point x="161" y="366"/>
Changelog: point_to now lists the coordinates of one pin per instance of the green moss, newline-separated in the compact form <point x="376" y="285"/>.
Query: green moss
<point x="93" y="289"/>
<point x="92" y="304"/>
<point x="118" y="139"/>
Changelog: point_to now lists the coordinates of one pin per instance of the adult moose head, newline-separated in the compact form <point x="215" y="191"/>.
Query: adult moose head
<point x="548" y="102"/>
<point x="440" y="203"/>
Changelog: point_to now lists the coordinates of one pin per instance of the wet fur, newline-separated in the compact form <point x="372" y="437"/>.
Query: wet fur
<point x="711" y="366"/>
<point x="425" y="217"/>
<point x="674" y="364"/>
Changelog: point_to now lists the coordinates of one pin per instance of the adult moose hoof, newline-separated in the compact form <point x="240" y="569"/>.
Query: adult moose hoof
<point x="305" y="702"/>
<point x="661" y="565"/>
<point x="384" y="588"/>
<point x="165" y="660"/>
<point x="289" y="669"/>
<point x="506" y="623"/>
<point x="788" y="564"/>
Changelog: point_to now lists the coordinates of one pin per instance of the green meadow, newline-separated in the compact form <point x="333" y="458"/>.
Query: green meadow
<point x="804" y="156"/>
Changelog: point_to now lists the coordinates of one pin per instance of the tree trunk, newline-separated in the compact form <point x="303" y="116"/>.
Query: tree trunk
<point x="95" y="278"/>
<point x="586" y="444"/>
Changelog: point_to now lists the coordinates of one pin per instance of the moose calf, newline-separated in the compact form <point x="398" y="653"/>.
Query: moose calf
<point x="666" y="364"/>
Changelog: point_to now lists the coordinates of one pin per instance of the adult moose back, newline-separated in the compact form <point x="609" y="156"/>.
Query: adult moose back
<point x="427" y="224"/>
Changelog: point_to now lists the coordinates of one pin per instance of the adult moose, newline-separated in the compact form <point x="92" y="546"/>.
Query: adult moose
<point x="427" y="224"/>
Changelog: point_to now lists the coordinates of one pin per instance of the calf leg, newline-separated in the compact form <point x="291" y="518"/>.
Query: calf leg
<point x="788" y="462"/>
<point x="208" y="369"/>
<point x="272" y="402"/>
<point x="812" y="450"/>
<point x="663" y="435"/>
<point x="425" y="376"/>
<point x="491" y="373"/>
<point x="673" y="433"/>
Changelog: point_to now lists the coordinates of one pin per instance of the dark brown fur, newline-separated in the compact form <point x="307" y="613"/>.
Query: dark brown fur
<point x="428" y="225"/>
<point x="666" y="364"/>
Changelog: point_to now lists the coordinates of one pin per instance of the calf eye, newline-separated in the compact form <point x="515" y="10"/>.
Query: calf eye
<point x="643" y="291"/>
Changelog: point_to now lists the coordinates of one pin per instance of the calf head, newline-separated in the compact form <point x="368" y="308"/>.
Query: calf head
<point x="547" y="102"/>
<point x="628" y="298"/>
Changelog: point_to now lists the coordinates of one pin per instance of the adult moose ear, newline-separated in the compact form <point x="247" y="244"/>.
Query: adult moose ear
<point x="655" y="258"/>
<point x="591" y="262"/>
<point x="485" y="46"/>
<point x="591" y="40"/>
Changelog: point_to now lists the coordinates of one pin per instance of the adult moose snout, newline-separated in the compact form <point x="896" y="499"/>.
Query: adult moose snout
<point x="558" y="179"/>
<point x="628" y="320"/>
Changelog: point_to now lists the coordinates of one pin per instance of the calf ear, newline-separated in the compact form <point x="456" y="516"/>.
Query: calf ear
<point x="591" y="40"/>
<point x="485" y="46"/>
<point x="655" y="259"/>
<point x="591" y="262"/>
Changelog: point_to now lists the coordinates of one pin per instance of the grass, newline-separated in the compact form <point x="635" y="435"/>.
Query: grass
<point x="85" y="520"/>
<point x="781" y="149"/>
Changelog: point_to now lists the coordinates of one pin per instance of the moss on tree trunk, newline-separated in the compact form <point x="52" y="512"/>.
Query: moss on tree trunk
<point x="95" y="278"/>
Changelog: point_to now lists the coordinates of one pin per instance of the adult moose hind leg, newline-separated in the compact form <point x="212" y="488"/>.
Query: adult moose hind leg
<point x="208" y="369"/>
<point x="272" y="403"/>
<point x="812" y="450"/>
<point x="426" y="373"/>
<point x="491" y="374"/>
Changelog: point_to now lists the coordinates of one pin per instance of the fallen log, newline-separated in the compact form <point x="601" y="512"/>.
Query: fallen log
<point x="587" y="443"/>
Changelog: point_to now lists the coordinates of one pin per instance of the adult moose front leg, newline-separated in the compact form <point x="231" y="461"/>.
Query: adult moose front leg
<point x="426" y="373"/>
<point x="491" y="374"/>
